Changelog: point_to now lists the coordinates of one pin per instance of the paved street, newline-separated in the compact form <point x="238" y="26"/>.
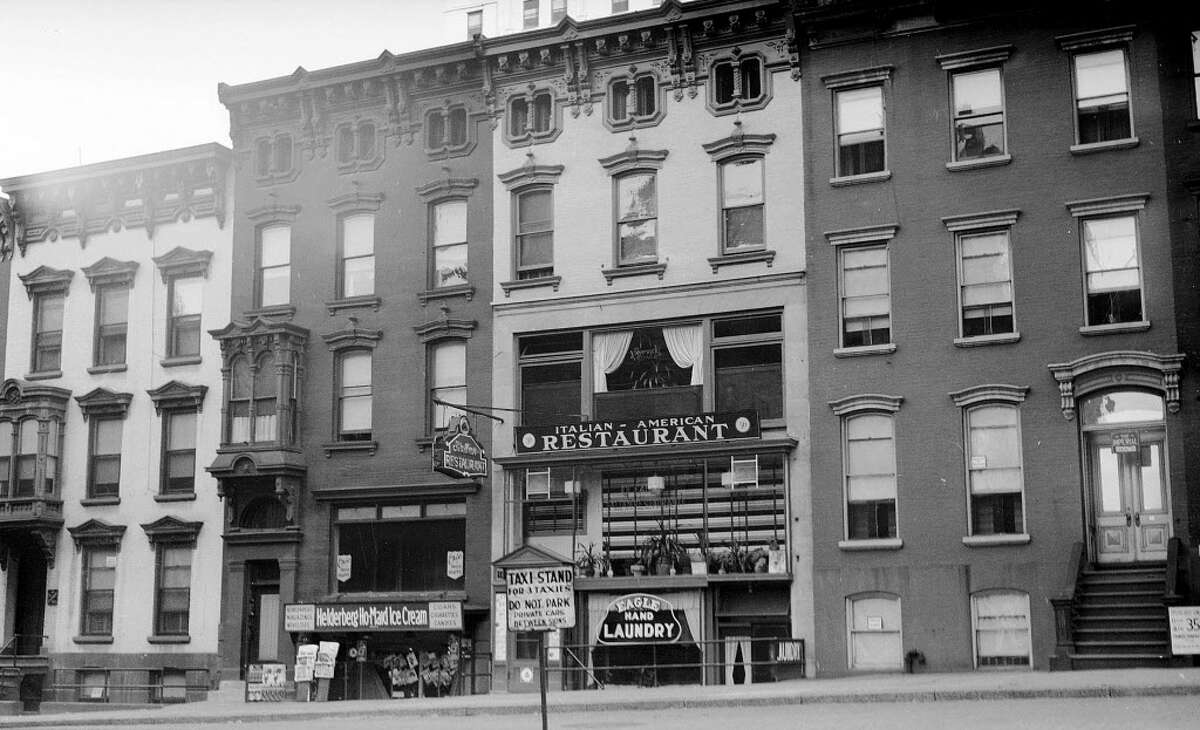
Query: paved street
<point x="1142" y="713"/>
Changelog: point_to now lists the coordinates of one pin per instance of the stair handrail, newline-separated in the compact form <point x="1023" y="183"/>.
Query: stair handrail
<point x="1064" y="605"/>
<point x="1171" y="595"/>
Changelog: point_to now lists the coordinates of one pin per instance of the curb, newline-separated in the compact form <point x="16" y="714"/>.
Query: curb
<point x="1101" y="691"/>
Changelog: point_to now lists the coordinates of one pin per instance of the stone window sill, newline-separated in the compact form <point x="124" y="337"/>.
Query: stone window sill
<point x="176" y="497"/>
<point x="101" y="369"/>
<point x="44" y="375"/>
<point x="993" y="540"/>
<point x="338" y="305"/>
<point x="551" y="281"/>
<point x="867" y="177"/>
<point x="865" y="350"/>
<point x="349" y="447"/>
<point x="462" y="290"/>
<point x="742" y="257"/>
<point x="1112" y="144"/>
<point x="108" y="639"/>
<point x="1114" y="329"/>
<point x="277" y="310"/>
<point x="182" y="639"/>
<point x="99" y="501"/>
<point x="621" y="272"/>
<point x="985" y="340"/>
<point x="978" y="163"/>
<point x="883" y="543"/>
<point x="175" y="362"/>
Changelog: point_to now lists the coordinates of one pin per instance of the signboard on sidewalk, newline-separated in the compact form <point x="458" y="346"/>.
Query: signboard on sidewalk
<point x="1185" y="629"/>
<point x="306" y="660"/>
<point x="540" y="599"/>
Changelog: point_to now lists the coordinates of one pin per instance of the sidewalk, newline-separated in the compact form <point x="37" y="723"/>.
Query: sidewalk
<point x="226" y="706"/>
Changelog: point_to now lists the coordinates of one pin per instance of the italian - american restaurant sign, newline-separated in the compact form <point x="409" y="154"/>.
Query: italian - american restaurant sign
<point x="656" y="431"/>
<point x="374" y="616"/>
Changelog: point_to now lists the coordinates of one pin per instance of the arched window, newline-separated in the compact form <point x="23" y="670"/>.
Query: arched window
<point x="264" y="513"/>
<point x="1001" y="625"/>
<point x="264" y="399"/>
<point x="873" y="626"/>
<point x="240" y="388"/>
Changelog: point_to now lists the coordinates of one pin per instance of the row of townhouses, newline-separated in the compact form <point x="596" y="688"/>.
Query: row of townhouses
<point x="823" y="337"/>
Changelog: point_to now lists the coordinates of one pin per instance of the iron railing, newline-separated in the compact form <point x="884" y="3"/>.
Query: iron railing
<point x="131" y="685"/>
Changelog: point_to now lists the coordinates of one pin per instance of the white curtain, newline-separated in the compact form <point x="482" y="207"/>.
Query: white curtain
<point x="686" y="345"/>
<point x="608" y="350"/>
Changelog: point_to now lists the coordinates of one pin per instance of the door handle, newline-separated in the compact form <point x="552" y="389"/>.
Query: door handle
<point x="1128" y="520"/>
<point x="1137" y="518"/>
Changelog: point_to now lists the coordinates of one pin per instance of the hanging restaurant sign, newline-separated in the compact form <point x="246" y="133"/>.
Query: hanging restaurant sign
<point x="457" y="454"/>
<point x="695" y="428"/>
<point x="640" y="618"/>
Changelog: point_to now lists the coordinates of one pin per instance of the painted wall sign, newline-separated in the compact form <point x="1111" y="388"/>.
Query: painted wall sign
<point x="1125" y="442"/>
<point x="695" y="428"/>
<point x="1185" y="629"/>
<point x="640" y="618"/>
<point x="457" y="454"/>
<point x="376" y="616"/>
<point x="540" y="599"/>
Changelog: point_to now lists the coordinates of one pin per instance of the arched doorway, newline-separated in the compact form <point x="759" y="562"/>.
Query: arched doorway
<point x="1127" y="479"/>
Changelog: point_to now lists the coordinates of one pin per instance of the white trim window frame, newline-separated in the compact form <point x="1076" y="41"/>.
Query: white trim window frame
<point x="533" y="235"/>
<point x="870" y="484"/>
<point x="447" y="380"/>
<point x="634" y="100"/>
<point x="996" y="644"/>
<point x="738" y="82"/>
<point x="356" y="259"/>
<point x="1101" y="89"/>
<point x="1114" y="288"/>
<point x="984" y="269"/>
<point x="448" y="243"/>
<point x="993" y="464"/>
<point x="635" y="213"/>
<point x="743" y="203"/>
<point x="978" y="110"/>
<point x="874" y="628"/>
<point x="866" y="325"/>
<point x="859" y="108"/>
<point x="273" y="266"/>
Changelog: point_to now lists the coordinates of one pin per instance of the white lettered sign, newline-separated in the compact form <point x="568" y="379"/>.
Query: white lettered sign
<point x="540" y="599"/>
<point x="1185" y="629"/>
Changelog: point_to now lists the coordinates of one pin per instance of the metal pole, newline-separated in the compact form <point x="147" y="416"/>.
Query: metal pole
<point x="542" y="675"/>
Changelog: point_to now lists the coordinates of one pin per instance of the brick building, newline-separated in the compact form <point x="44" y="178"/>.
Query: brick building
<point x="998" y="332"/>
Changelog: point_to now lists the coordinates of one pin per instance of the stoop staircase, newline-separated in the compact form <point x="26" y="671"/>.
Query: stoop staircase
<point x="1120" y="619"/>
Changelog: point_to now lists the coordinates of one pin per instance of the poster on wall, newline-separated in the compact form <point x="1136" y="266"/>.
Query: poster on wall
<point x="1185" y="629"/>
<point x="327" y="652"/>
<point x="344" y="564"/>
<point x="306" y="660"/>
<point x="265" y="682"/>
<point x="454" y="564"/>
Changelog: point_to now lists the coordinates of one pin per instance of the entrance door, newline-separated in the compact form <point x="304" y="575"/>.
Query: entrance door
<point x="1132" y="510"/>
<point x="30" y="604"/>
<point x="260" y="614"/>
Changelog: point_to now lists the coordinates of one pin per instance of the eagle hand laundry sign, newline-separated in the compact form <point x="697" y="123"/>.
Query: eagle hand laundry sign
<point x="640" y="618"/>
<point x="687" y="429"/>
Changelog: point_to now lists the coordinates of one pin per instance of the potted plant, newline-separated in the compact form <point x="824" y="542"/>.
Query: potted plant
<point x="588" y="560"/>
<point x="663" y="553"/>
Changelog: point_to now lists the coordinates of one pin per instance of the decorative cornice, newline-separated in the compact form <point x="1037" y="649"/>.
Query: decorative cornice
<point x="531" y="174"/>
<point x="859" y="77"/>
<point x="19" y="398"/>
<point x="109" y="271"/>
<point x="104" y="402"/>
<point x="170" y="529"/>
<point x="866" y="234"/>
<point x="633" y="159"/>
<point x="180" y="261"/>
<point x="175" y="395"/>
<point x="352" y="338"/>
<point x="445" y="328"/>
<point x="356" y="201"/>
<point x="44" y="279"/>
<point x="1127" y="368"/>
<point x="976" y="221"/>
<point x="1111" y="204"/>
<point x="447" y="187"/>
<point x="1096" y="38"/>
<point x="96" y="533"/>
<point x="981" y="57"/>
<point x="866" y="402"/>
<point x="274" y="213"/>
<point x="739" y="143"/>
<point x="991" y="393"/>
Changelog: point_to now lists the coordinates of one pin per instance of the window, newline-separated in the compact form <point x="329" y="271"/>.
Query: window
<point x="742" y="205"/>
<point x="252" y="406"/>
<point x="994" y="470"/>
<point x="551" y="378"/>
<point x="737" y="82"/>
<point x="355" y="144"/>
<point x="860" y="131"/>
<point x="637" y="219"/>
<point x="99" y="581"/>
<point x="184" y="296"/>
<point x="400" y="547"/>
<point x="19" y="458"/>
<point x="104" y="469"/>
<point x="870" y="462"/>
<point x="27" y="453"/>
<point x="535" y="234"/>
<point x="873" y="623"/>
<point x="620" y="6"/>
<point x="530" y="116"/>
<point x="1001" y="625"/>
<point x="748" y="364"/>
<point x="47" y="332"/>
<point x="1102" y="97"/>
<point x="354" y="396"/>
<point x="448" y="362"/>
<point x="985" y="284"/>
<point x="1113" y="274"/>
<point x="474" y="23"/>
<point x="274" y="266"/>
<point x="112" y="322"/>
<point x="631" y="100"/>
<point x="552" y="503"/>
<point x="273" y="159"/>
<point x="449" y="243"/>
<point x="1196" y="72"/>
<point x="865" y="296"/>
<point x="529" y="14"/>
<point x="558" y="10"/>
<point x="358" y="255"/>
<point x="6" y="458"/>
<point x="173" y="593"/>
<point x="446" y="129"/>
<point x="283" y="154"/>
<point x="179" y="452"/>
<point x="978" y="113"/>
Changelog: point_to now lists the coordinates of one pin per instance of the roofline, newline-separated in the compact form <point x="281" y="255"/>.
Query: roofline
<point x="124" y="164"/>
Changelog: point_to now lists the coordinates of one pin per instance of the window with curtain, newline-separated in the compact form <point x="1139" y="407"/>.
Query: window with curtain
<point x="104" y="471"/>
<point x="870" y="464"/>
<point x="860" y="131"/>
<point x="274" y="266"/>
<point x="1112" y="270"/>
<point x="637" y="219"/>
<point x="742" y="205"/>
<point x="1001" y="621"/>
<point x="978" y="97"/>
<point x="241" y="388"/>
<point x="355" y="397"/>
<point x="994" y="470"/>
<point x="874" y="630"/>
<point x="173" y="589"/>
<point x="450" y="243"/>
<point x="449" y="381"/>
<point x="1102" y="96"/>
<point x="265" y="392"/>
<point x="358" y="255"/>
<point x="866" y="296"/>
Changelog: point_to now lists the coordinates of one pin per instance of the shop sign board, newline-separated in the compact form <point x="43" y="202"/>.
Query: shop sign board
<point x="456" y="452"/>
<point x="327" y="652"/>
<point x="1185" y="629"/>
<point x="659" y="431"/>
<point x="454" y="564"/>
<point x="540" y="599"/>
<point x="374" y="616"/>
<point x="306" y="661"/>
<point x="1125" y="442"/>
<point x="265" y="682"/>
<point x="640" y="618"/>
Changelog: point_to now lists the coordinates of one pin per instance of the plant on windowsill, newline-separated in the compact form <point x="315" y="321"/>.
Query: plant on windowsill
<point x="663" y="552"/>
<point x="588" y="561"/>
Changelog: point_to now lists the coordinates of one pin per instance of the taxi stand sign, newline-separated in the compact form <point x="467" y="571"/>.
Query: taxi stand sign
<point x="541" y="598"/>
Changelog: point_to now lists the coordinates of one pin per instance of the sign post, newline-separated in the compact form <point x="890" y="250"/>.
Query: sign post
<point x="540" y="599"/>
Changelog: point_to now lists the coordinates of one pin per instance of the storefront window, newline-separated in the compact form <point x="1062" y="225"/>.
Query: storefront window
<point x="553" y="502"/>
<point x="399" y="547"/>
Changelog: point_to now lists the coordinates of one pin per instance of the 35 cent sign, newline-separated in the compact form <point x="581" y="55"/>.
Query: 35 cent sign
<point x="540" y="599"/>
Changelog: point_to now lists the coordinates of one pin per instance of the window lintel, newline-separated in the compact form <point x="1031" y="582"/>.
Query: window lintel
<point x="867" y="234"/>
<point x="177" y="396"/>
<point x="1082" y="375"/>
<point x="633" y="159"/>
<point x="96" y="533"/>
<point x="977" y="221"/>
<point x="352" y="338"/>
<point x="530" y="174"/>
<point x="180" y="262"/>
<point x="1096" y="38"/>
<point x="1113" y="204"/>
<point x="992" y="392"/>
<point x="981" y="57"/>
<point x="46" y="280"/>
<point x="858" y="77"/>
<point x="867" y="402"/>
<point x="108" y="271"/>
<point x="447" y="187"/>
<point x="173" y="530"/>
<point x="104" y="402"/>
<point x="274" y="213"/>
<point x="739" y="143"/>
<point x="356" y="201"/>
<point x="445" y="329"/>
